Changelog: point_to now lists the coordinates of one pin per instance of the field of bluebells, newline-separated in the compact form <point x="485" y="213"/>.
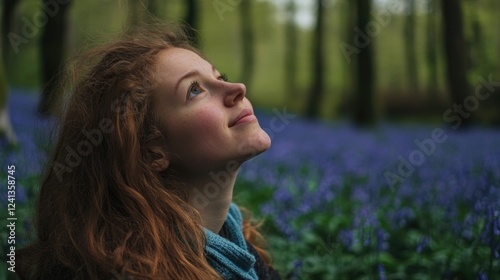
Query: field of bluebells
<point x="338" y="202"/>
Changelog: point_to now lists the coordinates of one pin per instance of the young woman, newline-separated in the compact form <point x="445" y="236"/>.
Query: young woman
<point x="140" y="184"/>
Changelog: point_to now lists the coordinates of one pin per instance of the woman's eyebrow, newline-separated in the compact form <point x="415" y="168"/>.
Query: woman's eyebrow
<point x="189" y="75"/>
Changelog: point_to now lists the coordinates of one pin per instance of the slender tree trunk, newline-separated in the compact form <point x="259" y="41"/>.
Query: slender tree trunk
<point x="191" y="20"/>
<point x="364" y="114"/>
<point x="477" y="47"/>
<point x="247" y="38"/>
<point x="5" y="126"/>
<point x="455" y="51"/>
<point x="317" y="86"/>
<point x="52" y="48"/>
<point x="8" y="12"/>
<point x="409" y="37"/>
<point x="291" y="50"/>
<point x="348" y="20"/>
<point x="431" y="53"/>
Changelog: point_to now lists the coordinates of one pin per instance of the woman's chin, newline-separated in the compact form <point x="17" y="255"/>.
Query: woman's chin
<point x="265" y="141"/>
<point x="253" y="146"/>
<point x="261" y="143"/>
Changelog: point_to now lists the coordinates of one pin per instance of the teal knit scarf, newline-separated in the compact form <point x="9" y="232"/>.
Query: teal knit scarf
<point x="230" y="257"/>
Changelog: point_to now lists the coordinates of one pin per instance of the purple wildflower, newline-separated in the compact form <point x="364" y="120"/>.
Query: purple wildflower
<point x="422" y="244"/>
<point x="381" y="272"/>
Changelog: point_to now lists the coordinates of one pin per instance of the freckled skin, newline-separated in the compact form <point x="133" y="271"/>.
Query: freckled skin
<point x="198" y="135"/>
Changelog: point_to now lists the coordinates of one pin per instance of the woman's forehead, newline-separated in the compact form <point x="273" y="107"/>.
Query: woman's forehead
<point x="176" y="62"/>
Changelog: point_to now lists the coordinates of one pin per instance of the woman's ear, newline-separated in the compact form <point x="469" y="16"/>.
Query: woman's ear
<point x="159" y="160"/>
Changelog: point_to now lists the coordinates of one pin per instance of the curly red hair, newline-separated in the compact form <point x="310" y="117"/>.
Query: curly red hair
<point x="102" y="211"/>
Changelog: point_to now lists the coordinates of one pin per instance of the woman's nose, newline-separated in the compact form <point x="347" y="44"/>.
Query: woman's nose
<point x="234" y="93"/>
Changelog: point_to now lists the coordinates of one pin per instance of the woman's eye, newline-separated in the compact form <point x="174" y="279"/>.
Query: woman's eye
<point x="194" y="90"/>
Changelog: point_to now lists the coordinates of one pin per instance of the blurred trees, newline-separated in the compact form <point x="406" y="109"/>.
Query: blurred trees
<point x="317" y="71"/>
<point x="8" y="8"/>
<point x="410" y="43"/>
<point x="191" y="21"/>
<point x="455" y="51"/>
<point x="291" y="50"/>
<point x="308" y="72"/>
<point x="431" y="43"/>
<point x="247" y="41"/>
<point x="6" y="130"/>
<point x="476" y="42"/>
<point x="364" y="112"/>
<point x="53" y="51"/>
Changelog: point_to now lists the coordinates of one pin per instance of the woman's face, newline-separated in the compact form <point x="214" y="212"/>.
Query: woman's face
<point x="208" y="121"/>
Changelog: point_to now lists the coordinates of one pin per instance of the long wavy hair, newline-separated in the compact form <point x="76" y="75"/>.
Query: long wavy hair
<point x="102" y="211"/>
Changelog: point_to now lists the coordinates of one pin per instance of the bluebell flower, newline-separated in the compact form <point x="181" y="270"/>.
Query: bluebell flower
<point x="381" y="272"/>
<point x="482" y="276"/>
<point x="422" y="244"/>
<point x="382" y="239"/>
<point x="346" y="238"/>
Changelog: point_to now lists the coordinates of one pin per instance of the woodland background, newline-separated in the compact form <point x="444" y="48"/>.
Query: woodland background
<point x="414" y="58"/>
<point x="383" y="116"/>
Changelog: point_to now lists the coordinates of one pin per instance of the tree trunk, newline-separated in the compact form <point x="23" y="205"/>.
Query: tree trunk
<point x="348" y="20"/>
<point x="5" y="126"/>
<point x="431" y="53"/>
<point x="52" y="48"/>
<point x="191" y="20"/>
<point x="455" y="51"/>
<point x="8" y="13"/>
<point x="291" y="50"/>
<point x="409" y="37"/>
<point x="317" y="86"/>
<point x="364" y="114"/>
<point x="477" y="54"/>
<point x="248" y="42"/>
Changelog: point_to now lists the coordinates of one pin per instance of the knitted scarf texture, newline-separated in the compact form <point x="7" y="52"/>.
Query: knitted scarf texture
<point x="229" y="256"/>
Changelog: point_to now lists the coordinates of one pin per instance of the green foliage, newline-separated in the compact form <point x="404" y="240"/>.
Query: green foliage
<point x="420" y="249"/>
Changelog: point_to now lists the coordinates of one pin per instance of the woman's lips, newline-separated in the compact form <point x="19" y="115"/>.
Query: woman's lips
<point x="244" y="117"/>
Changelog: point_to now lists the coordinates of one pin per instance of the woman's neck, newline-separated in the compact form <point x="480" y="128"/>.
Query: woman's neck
<point x="211" y="195"/>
